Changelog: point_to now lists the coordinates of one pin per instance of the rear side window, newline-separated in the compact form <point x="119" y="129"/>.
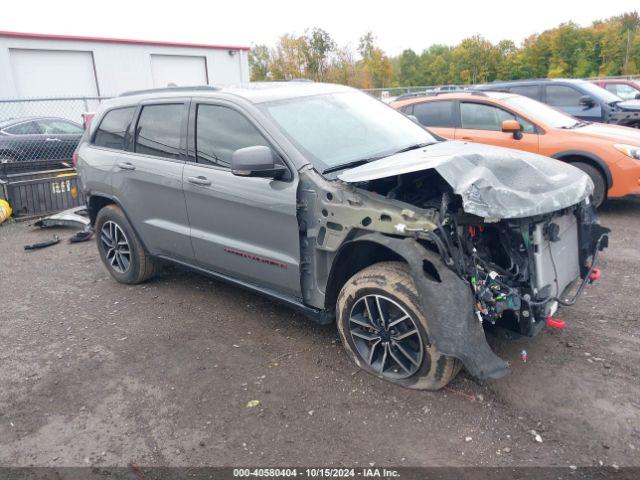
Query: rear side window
<point x="158" y="130"/>
<point x="220" y="131"/>
<point x="60" y="127"/>
<point x="435" y="114"/>
<point x="562" y="96"/>
<point x="27" y="128"/>
<point x="113" y="128"/>
<point x="531" y="91"/>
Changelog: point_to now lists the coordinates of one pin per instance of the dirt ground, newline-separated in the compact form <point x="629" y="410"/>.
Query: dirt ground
<point x="94" y="372"/>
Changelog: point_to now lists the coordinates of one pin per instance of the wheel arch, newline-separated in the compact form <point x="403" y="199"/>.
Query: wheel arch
<point x="573" y="156"/>
<point x="353" y="256"/>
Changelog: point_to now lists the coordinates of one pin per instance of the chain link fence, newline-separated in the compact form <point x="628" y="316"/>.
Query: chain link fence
<point x="37" y="130"/>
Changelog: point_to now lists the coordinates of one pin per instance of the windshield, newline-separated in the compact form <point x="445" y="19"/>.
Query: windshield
<point x="342" y="128"/>
<point x="541" y="112"/>
<point x="599" y="92"/>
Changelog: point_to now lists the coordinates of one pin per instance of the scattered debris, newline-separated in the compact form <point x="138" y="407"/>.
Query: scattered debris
<point x="523" y="356"/>
<point x="467" y="439"/>
<point x="506" y="450"/>
<point x="73" y="217"/>
<point x="82" y="235"/>
<point x="460" y="394"/>
<point x="536" y="436"/>
<point x="253" y="403"/>
<point x="310" y="412"/>
<point x="35" y="246"/>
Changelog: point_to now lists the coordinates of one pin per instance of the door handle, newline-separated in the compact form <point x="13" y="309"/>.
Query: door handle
<point x="468" y="139"/>
<point x="203" y="181"/>
<point x="126" y="166"/>
<point x="52" y="140"/>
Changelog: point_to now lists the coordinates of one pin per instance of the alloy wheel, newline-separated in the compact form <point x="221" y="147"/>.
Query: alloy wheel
<point x="116" y="246"/>
<point x="386" y="336"/>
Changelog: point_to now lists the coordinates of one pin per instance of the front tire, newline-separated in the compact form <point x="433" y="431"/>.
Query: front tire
<point x="385" y="332"/>
<point x="120" y="249"/>
<point x="599" y="183"/>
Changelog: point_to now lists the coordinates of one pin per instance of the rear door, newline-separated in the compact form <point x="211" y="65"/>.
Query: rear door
<point x="437" y="115"/>
<point x="482" y="123"/>
<point x="567" y="99"/>
<point x="147" y="179"/>
<point x="240" y="226"/>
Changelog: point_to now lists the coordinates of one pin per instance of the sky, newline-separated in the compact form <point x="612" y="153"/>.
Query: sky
<point x="397" y="25"/>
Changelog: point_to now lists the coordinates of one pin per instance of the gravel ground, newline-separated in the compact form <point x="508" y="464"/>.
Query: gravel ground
<point x="94" y="372"/>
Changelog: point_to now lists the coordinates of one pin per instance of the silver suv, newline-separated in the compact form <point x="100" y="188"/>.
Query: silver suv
<point x="334" y="203"/>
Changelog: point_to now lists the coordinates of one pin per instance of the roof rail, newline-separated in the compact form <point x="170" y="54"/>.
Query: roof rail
<point x="169" y="89"/>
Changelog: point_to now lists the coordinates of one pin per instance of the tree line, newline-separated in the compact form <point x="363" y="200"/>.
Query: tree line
<point x="605" y="48"/>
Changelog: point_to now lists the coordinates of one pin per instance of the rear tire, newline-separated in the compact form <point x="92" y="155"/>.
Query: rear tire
<point x="387" y="348"/>
<point x="120" y="249"/>
<point x="599" y="183"/>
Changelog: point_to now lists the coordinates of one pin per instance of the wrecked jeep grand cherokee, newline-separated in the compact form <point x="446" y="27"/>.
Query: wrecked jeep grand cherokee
<point x="328" y="200"/>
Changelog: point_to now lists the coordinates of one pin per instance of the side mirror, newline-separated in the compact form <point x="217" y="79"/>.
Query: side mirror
<point x="257" y="161"/>
<point x="512" y="126"/>
<point x="637" y="97"/>
<point x="587" y="101"/>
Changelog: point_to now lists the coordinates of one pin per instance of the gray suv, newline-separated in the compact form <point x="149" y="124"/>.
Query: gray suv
<point x="330" y="201"/>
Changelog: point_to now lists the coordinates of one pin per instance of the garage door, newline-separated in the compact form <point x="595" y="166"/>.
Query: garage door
<point x="180" y="70"/>
<point x="53" y="73"/>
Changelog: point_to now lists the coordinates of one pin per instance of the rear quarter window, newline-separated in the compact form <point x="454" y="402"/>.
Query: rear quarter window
<point x="113" y="128"/>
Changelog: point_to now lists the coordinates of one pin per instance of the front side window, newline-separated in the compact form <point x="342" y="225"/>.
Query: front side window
<point x="60" y="127"/>
<point x="336" y="129"/>
<point x="478" y="116"/>
<point x="158" y="130"/>
<point x="113" y="128"/>
<point x="435" y="114"/>
<point x="562" y="96"/>
<point x="27" y="128"/>
<point x="220" y="131"/>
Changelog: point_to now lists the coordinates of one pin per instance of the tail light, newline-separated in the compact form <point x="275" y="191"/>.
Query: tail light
<point x="74" y="159"/>
<point x="86" y="119"/>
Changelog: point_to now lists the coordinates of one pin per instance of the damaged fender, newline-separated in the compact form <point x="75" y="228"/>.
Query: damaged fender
<point x="453" y="328"/>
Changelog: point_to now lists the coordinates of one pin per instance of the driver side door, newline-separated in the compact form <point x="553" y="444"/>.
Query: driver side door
<point x="243" y="227"/>
<point x="482" y="123"/>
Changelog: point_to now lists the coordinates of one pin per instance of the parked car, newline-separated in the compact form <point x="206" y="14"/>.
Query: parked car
<point x="579" y="98"/>
<point x="609" y="154"/>
<point x="625" y="89"/>
<point x="38" y="138"/>
<point x="332" y="202"/>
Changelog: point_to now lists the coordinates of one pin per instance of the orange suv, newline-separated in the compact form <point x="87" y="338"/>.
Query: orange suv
<point x="609" y="154"/>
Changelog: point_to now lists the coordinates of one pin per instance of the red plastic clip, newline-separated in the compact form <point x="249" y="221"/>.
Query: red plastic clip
<point x="595" y="275"/>
<point x="555" y="323"/>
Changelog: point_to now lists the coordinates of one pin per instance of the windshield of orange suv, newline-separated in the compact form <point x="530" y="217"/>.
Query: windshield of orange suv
<point x="542" y="112"/>
<point x="344" y="129"/>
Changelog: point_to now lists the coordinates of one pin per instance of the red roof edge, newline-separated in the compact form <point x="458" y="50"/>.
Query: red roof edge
<point x="44" y="36"/>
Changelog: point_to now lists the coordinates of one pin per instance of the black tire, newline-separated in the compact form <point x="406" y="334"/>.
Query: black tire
<point x="391" y="282"/>
<point x="140" y="266"/>
<point x="599" y="183"/>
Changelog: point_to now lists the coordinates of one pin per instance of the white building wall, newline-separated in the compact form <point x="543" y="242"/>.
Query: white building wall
<point x="121" y="67"/>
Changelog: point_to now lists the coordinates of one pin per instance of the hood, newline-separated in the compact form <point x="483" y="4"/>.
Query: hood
<point x="630" y="105"/>
<point x="494" y="182"/>
<point x="611" y="132"/>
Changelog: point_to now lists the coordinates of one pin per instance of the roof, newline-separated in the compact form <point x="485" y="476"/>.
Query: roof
<point x="476" y="94"/>
<point x="533" y="81"/>
<point x="46" y="36"/>
<point x="255" y="92"/>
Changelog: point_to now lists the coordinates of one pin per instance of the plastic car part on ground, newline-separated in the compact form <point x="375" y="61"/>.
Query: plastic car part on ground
<point x="73" y="217"/>
<point x="47" y="243"/>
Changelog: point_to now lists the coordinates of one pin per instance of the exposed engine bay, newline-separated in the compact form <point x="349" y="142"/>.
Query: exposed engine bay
<point x="519" y="270"/>
<point x="493" y="238"/>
